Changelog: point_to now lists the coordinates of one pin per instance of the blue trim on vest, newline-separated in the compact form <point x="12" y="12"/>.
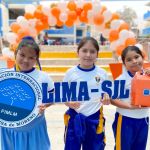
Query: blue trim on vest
<point x="86" y="70"/>
<point x="26" y="71"/>
<point x="130" y="74"/>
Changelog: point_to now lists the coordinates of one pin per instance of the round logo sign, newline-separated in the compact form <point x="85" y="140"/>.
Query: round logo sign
<point x="20" y="95"/>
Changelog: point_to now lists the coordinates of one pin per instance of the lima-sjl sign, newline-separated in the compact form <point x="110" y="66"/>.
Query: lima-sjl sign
<point x="20" y="96"/>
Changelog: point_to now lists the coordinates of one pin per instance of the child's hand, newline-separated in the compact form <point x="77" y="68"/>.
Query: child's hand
<point x="42" y="107"/>
<point x="147" y="71"/>
<point x="106" y="99"/>
<point x="137" y="107"/>
<point x="73" y="105"/>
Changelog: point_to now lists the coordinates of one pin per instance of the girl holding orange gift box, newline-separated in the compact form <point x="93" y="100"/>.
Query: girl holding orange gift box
<point x="130" y="126"/>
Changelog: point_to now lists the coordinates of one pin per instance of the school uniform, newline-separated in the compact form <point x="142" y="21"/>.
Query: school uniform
<point x="130" y="126"/>
<point x="33" y="136"/>
<point x="84" y="127"/>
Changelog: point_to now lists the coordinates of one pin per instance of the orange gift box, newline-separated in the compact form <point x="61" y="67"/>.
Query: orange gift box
<point x="140" y="90"/>
<point x="116" y="68"/>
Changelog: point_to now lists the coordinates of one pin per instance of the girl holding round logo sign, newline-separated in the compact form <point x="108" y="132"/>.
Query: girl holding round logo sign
<point x="84" y="121"/>
<point x="33" y="134"/>
<point x="130" y="126"/>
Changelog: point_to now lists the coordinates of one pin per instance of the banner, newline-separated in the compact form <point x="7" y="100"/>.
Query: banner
<point x="19" y="97"/>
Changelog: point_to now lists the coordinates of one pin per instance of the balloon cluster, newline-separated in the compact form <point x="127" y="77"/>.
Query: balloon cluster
<point x="38" y="18"/>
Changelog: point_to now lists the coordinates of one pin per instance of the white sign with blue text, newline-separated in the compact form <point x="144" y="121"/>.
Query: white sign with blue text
<point x="19" y="97"/>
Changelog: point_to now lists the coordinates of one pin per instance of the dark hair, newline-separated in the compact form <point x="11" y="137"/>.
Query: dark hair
<point x="87" y="39"/>
<point x="130" y="48"/>
<point x="29" y="42"/>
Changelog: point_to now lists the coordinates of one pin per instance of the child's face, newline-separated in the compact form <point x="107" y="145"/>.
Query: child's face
<point x="87" y="54"/>
<point x="133" y="62"/>
<point x="26" y="58"/>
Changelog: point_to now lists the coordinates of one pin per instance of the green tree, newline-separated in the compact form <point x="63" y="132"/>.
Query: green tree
<point x="128" y="15"/>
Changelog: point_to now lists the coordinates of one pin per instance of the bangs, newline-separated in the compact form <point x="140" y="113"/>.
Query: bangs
<point x="28" y="43"/>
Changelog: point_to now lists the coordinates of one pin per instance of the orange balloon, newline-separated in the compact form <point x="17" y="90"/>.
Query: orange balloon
<point x="79" y="11"/>
<point x="44" y="19"/>
<point x="119" y="49"/>
<point x="115" y="16"/>
<point x="14" y="27"/>
<point x="39" y="26"/>
<point x="130" y="41"/>
<point x="72" y="5"/>
<point x="38" y="14"/>
<point x="124" y="26"/>
<point x="72" y="15"/>
<point x="113" y="35"/>
<point x="39" y="7"/>
<point x="103" y="9"/>
<point x="87" y="6"/>
<point x="107" y="24"/>
<point x="83" y="17"/>
<point x="28" y="16"/>
<point x="55" y="12"/>
<point x="59" y="23"/>
<point x="98" y="19"/>
<point x="69" y="23"/>
<point x="22" y="33"/>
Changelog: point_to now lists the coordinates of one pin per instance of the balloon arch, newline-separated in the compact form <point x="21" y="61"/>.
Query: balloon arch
<point x="38" y="18"/>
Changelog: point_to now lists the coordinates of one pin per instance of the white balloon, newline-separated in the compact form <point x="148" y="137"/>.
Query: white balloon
<point x="140" y="46"/>
<point x="11" y="37"/>
<point x="115" y="24"/>
<point x="20" y="18"/>
<point x="11" y="54"/>
<point x="105" y="33"/>
<point x="6" y="52"/>
<point x="62" y="6"/>
<point x="46" y="10"/>
<point x="80" y="3"/>
<point x="90" y="14"/>
<point x="63" y="17"/>
<point x="22" y="21"/>
<point x="124" y="34"/>
<point x="32" y="22"/>
<point x="113" y="45"/>
<point x="107" y="15"/>
<point x="100" y="27"/>
<point x="52" y="20"/>
<point x="30" y="9"/>
<point x="96" y="7"/>
<point x="32" y="32"/>
<point x="131" y="34"/>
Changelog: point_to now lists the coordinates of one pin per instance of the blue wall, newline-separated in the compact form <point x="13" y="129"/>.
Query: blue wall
<point x="146" y="31"/>
<point x="147" y="15"/>
<point x="63" y="30"/>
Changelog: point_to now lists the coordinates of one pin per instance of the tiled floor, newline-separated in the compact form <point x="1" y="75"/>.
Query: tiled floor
<point x="55" y="124"/>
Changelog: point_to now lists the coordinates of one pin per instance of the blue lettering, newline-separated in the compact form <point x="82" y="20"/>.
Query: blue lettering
<point x="116" y="89"/>
<point x="83" y="92"/>
<point x="57" y="92"/>
<point x="106" y="87"/>
<point x="69" y="91"/>
<point x="124" y="93"/>
<point x="47" y="99"/>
